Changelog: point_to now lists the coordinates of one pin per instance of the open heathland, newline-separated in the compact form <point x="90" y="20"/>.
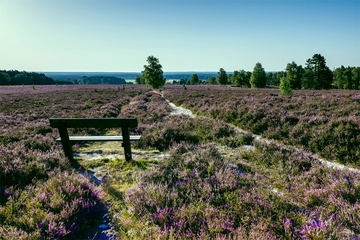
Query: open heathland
<point x="325" y="122"/>
<point x="204" y="176"/>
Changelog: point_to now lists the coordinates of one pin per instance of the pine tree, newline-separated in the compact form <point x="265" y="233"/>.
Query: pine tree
<point x="258" y="77"/>
<point x="317" y="75"/>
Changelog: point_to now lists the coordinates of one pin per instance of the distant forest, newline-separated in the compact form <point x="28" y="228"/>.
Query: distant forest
<point x="315" y="75"/>
<point x="15" y="77"/>
<point x="99" y="80"/>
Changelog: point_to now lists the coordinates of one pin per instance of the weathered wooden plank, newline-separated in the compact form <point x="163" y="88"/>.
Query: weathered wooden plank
<point x="100" y="138"/>
<point x="94" y="122"/>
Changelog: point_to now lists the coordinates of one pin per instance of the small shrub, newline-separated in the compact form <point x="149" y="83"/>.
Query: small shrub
<point x="38" y="103"/>
<point x="285" y="87"/>
<point x="237" y="141"/>
<point x="88" y="104"/>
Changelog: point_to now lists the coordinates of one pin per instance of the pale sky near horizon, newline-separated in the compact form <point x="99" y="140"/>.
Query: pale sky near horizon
<point x="185" y="35"/>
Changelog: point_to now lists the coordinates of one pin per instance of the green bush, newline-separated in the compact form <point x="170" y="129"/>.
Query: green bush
<point x="285" y="86"/>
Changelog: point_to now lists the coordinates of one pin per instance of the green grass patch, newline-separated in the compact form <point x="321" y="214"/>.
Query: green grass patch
<point x="134" y="165"/>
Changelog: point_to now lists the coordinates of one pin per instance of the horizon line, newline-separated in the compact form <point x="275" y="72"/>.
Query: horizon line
<point x="170" y="71"/>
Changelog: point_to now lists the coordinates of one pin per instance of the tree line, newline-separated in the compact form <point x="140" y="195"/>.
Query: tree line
<point x="99" y="80"/>
<point x="315" y="75"/>
<point x="15" y="77"/>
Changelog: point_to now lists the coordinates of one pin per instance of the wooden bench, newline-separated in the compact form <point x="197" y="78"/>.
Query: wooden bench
<point x="64" y="123"/>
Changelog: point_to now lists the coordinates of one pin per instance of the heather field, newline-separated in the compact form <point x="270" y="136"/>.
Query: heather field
<point x="326" y="122"/>
<point x="251" y="164"/>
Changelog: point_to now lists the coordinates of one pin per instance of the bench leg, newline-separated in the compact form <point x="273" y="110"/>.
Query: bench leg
<point x="126" y="143"/>
<point x="65" y="141"/>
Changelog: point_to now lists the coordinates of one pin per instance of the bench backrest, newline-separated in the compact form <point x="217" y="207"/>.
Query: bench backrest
<point x="93" y="122"/>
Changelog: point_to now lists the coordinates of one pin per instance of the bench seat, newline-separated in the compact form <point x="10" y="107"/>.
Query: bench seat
<point x="100" y="138"/>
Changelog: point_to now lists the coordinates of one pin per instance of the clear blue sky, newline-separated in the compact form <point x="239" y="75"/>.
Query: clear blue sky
<point x="186" y="35"/>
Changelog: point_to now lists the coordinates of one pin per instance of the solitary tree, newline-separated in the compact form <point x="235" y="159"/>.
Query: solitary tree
<point x="317" y="75"/>
<point x="222" y="77"/>
<point x="153" y="74"/>
<point x="258" y="77"/>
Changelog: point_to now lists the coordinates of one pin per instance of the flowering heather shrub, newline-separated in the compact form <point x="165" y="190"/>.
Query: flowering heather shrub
<point x="197" y="193"/>
<point x="27" y="151"/>
<point x="237" y="140"/>
<point x="148" y="107"/>
<point x="20" y="166"/>
<point x="65" y="206"/>
<point x="201" y="195"/>
<point x="110" y="110"/>
<point x="326" y="122"/>
<point x="339" y="139"/>
<point x="327" y="193"/>
<point x="181" y="128"/>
